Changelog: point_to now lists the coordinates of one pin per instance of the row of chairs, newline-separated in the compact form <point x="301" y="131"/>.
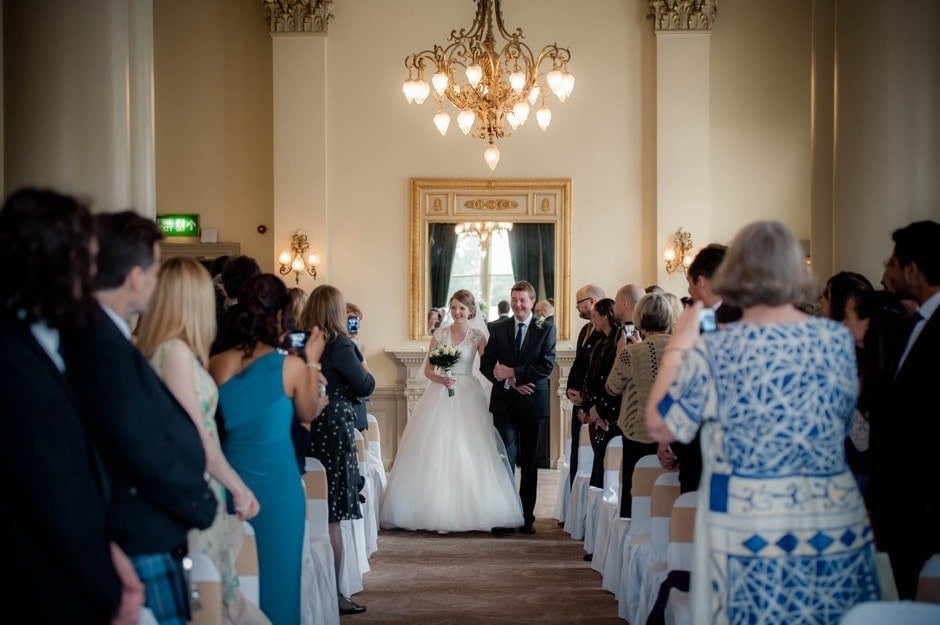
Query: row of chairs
<point x="319" y="586"/>
<point x="652" y="551"/>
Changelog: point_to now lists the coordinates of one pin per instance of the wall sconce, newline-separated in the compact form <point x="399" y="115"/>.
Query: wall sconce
<point x="297" y="259"/>
<point x="678" y="252"/>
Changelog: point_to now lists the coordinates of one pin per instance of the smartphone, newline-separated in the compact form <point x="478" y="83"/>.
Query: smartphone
<point x="352" y="325"/>
<point x="628" y="330"/>
<point x="298" y="340"/>
<point x="706" y="320"/>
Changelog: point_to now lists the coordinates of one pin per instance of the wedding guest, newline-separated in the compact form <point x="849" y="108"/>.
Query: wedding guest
<point x="261" y="390"/>
<point x="631" y="378"/>
<point x="772" y="395"/>
<point x="235" y="273"/>
<point x="54" y="515"/>
<point x="175" y="335"/>
<point x="332" y="440"/>
<point x="451" y="473"/>
<point x="585" y="298"/>
<point x="353" y="323"/>
<point x="434" y="320"/>
<point x="152" y="452"/>
<point x="599" y="409"/>
<point x="905" y="499"/>
<point x="543" y="308"/>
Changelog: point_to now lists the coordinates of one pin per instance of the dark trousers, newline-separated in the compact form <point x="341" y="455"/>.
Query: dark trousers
<point x="522" y="437"/>
<point x="575" y="438"/>
<point x="632" y="452"/>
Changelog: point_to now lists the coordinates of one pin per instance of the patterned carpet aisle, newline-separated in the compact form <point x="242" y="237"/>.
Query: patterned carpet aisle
<point x="423" y="578"/>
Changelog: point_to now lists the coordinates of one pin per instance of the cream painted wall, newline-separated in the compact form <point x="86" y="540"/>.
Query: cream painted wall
<point x="214" y="144"/>
<point x="760" y="115"/>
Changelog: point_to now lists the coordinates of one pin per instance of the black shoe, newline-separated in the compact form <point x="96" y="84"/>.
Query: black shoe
<point x="351" y="606"/>
<point x="527" y="529"/>
<point x="503" y="531"/>
<point x="588" y="557"/>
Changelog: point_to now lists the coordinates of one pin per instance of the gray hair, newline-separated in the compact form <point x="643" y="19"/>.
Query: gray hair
<point x="653" y="313"/>
<point x="764" y="265"/>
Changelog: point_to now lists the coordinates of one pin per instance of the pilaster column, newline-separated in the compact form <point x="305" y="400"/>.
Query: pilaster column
<point x="298" y="33"/>
<point x="683" y="161"/>
<point x="564" y="357"/>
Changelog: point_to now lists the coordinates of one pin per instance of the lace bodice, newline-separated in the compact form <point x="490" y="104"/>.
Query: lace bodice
<point x="467" y="347"/>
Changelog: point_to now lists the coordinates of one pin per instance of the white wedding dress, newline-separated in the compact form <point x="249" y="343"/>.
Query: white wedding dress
<point x="451" y="473"/>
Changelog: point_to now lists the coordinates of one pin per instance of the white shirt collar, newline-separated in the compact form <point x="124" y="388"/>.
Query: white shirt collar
<point x="48" y="338"/>
<point x="118" y="321"/>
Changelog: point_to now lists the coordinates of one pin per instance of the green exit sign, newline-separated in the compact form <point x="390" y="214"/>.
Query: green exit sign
<point x="179" y="225"/>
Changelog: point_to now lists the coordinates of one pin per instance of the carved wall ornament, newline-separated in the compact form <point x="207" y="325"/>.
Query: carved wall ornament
<point x="670" y="15"/>
<point x="298" y="16"/>
<point x="491" y="204"/>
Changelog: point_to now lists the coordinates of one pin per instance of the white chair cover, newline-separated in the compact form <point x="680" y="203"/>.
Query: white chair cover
<point x="370" y="513"/>
<point x="679" y="556"/>
<point x="928" y="584"/>
<point x="318" y="604"/>
<point x="147" y="617"/>
<point x="645" y="472"/>
<point x="246" y="564"/>
<point x="561" y="501"/>
<point x="613" y="558"/>
<point x="889" y="612"/>
<point x="375" y="464"/>
<point x="205" y="578"/>
<point x="577" y="498"/>
<point x="665" y="493"/>
<point x="604" y="506"/>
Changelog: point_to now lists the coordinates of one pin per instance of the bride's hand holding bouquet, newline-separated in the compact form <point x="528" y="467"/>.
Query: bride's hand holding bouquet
<point x="444" y="357"/>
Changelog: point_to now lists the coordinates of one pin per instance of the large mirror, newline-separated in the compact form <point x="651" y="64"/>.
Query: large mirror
<point x="484" y="235"/>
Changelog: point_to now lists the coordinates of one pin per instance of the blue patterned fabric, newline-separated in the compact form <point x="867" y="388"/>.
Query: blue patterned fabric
<point x="782" y="535"/>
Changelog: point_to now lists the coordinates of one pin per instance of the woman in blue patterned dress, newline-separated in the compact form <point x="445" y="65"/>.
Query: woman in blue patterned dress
<point x="781" y="533"/>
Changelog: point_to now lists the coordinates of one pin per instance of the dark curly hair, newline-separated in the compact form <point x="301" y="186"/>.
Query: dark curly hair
<point x="45" y="249"/>
<point x="264" y="312"/>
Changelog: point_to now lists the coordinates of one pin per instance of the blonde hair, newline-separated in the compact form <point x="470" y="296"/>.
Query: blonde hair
<point x="182" y="307"/>
<point x="653" y="313"/>
<point x="325" y="309"/>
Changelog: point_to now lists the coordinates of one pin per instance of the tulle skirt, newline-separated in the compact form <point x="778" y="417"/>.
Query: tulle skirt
<point x="451" y="472"/>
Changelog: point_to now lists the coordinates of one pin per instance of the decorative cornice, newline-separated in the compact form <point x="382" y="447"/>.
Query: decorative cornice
<point x="298" y="16"/>
<point x="673" y="15"/>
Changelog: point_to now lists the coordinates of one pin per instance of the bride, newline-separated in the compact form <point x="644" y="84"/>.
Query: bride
<point x="451" y="473"/>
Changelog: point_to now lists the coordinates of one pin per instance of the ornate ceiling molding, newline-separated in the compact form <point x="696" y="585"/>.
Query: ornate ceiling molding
<point x="298" y="16"/>
<point x="675" y="15"/>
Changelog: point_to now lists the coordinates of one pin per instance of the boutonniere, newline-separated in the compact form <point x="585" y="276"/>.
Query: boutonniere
<point x="539" y="322"/>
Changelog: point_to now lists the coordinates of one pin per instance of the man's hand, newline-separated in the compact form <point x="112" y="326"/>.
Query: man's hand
<point x="574" y="396"/>
<point x="523" y="389"/>
<point x="502" y="372"/>
<point x="133" y="593"/>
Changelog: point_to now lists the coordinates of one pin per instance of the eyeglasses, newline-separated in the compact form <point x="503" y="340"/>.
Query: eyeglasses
<point x="583" y="299"/>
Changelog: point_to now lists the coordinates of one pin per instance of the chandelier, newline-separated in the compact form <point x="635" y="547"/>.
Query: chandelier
<point x="297" y="259"/>
<point x="499" y="81"/>
<point x="482" y="229"/>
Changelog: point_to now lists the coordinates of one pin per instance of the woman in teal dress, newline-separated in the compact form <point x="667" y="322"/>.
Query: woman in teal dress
<point x="332" y="440"/>
<point x="261" y="389"/>
<point x="175" y="335"/>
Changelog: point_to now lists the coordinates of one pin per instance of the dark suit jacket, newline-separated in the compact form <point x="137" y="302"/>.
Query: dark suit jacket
<point x="905" y="430"/>
<point x="534" y="365"/>
<point x="582" y="357"/>
<point x="152" y="452"/>
<point x="53" y="515"/>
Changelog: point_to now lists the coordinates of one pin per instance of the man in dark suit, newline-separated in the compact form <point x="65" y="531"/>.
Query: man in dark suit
<point x="151" y="450"/>
<point x="518" y="359"/>
<point x="585" y="298"/>
<point x="54" y="494"/>
<point x="688" y="456"/>
<point x="905" y="474"/>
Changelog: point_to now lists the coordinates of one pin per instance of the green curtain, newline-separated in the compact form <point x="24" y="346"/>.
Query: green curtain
<point x="524" y="252"/>
<point x="547" y="245"/>
<point x="442" y="246"/>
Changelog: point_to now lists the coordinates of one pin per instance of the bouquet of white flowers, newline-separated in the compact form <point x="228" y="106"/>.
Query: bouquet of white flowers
<point x="444" y="357"/>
